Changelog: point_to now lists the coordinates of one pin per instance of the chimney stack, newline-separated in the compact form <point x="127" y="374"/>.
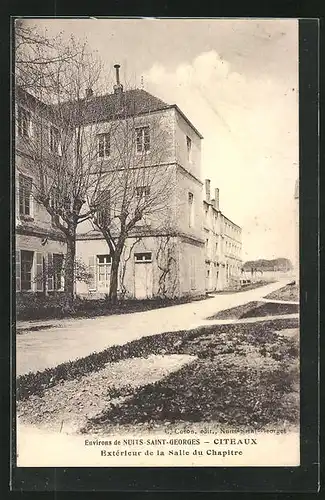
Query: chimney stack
<point x="118" y="87"/>
<point x="207" y="190"/>
<point x="89" y="93"/>
<point x="216" y="199"/>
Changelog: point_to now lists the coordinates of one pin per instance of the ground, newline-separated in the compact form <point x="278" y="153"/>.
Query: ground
<point x="58" y="341"/>
<point x="243" y="373"/>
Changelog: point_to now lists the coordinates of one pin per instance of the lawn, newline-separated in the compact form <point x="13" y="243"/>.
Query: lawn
<point x="244" y="288"/>
<point x="256" y="309"/>
<point x="289" y="292"/>
<point x="241" y="375"/>
<point x="38" y="307"/>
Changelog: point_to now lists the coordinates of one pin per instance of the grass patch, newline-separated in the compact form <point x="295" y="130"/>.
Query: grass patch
<point x="234" y="312"/>
<point x="224" y="338"/>
<point x="247" y="380"/>
<point x="36" y="306"/>
<point x="256" y="309"/>
<point x="244" y="288"/>
<point x="271" y="309"/>
<point x="289" y="292"/>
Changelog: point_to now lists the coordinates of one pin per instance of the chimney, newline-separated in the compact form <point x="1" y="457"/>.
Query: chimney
<point x="216" y="199"/>
<point x="207" y="190"/>
<point x="89" y="93"/>
<point x="118" y="88"/>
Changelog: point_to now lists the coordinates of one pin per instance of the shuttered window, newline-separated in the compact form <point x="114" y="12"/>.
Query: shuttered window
<point x="92" y="272"/>
<point x="50" y="277"/>
<point x="57" y="270"/>
<point x="27" y="258"/>
<point x="18" y="271"/>
<point x="25" y="194"/>
<point x="39" y="272"/>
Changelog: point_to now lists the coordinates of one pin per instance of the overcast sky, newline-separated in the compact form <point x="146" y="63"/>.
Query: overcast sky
<point x="237" y="81"/>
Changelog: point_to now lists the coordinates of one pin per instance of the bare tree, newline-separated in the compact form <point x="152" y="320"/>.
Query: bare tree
<point x="166" y="259"/>
<point x="37" y="56"/>
<point x="136" y="195"/>
<point x="62" y="156"/>
<point x="125" y="258"/>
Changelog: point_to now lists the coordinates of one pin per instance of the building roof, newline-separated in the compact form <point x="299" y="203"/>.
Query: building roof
<point x="111" y="106"/>
<point x="106" y="107"/>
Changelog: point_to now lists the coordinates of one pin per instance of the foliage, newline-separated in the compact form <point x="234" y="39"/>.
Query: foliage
<point x="223" y="338"/>
<point x="256" y="309"/>
<point x="33" y="306"/>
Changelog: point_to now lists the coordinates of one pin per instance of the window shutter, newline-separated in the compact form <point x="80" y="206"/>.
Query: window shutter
<point x="18" y="271"/>
<point x="62" y="274"/>
<point x="92" y="272"/>
<point x="39" y="272"/>
<point x="50" y="279"/>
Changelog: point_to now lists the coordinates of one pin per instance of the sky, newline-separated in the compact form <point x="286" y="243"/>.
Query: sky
<point x="237" y="81"/>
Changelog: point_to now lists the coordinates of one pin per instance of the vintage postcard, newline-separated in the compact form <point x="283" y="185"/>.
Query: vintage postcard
<point x="156" y="166"/>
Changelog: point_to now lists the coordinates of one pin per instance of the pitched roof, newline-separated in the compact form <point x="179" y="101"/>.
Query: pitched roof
<point x="111" y="106"/>
<point x="106" y="107"/>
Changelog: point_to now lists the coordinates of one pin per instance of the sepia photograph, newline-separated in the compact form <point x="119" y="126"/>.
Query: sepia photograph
<point x="156" y="214"/>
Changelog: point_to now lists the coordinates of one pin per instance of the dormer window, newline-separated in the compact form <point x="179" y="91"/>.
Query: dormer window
<point x="103" y="146"/>
<point x="24" y="122"/>
<point x="143" y="139"/>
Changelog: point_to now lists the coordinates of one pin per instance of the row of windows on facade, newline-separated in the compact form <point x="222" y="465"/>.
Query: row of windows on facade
<point x="231" y="229"/>
<point x="25" y="197"/>
<point x="230" y="247"/>
<point x="25" y="129"/>
<point x="36" y="271"/>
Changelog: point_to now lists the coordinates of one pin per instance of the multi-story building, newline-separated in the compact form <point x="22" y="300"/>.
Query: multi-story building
<point x="182" y="245"/>
<point x="39" y="243"/>
<point x="223" y="245"/>
<point x="163" y="252"/>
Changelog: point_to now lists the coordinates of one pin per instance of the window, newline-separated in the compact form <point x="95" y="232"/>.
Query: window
<point x="103" y="145"/>
<point x="143" y="257"/>
<point x="143" y="139"/>
<point x="24" y="122"/>
<point x="191" y="209"/>
<point x="142" y="191"/>
<point x="27" y="258"/>
<point x="25" y="194"/>
<point x="55" y="205"/>
<point x="206" y="209"/>
<point x="55" y="146"/>
<point x="103" y="268"/>
<point x="189" y="149"/>
<point x="57" y="270"/>
<point x="104" y="208"/>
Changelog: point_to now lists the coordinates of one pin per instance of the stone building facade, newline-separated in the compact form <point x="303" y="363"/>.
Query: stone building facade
<point x="39" y="244"/>
<point x="187" y="247"/>
<point x="223" y="245"/>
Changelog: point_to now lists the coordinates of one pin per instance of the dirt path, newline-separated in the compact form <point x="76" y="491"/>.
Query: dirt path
<point x="71" y="339"/>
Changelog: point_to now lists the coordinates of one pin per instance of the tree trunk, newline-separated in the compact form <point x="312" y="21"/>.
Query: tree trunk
<point x="69" y="270"/>
<point x="114" y="274"/>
